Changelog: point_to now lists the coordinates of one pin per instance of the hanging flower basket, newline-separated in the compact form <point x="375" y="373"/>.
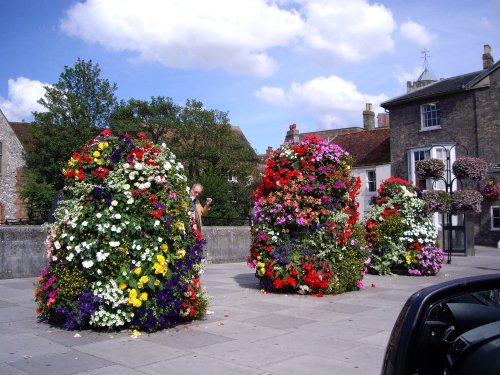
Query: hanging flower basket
<point x="437" y="201"/>
<point x="491" y="191"/>
<point x="470" y="168"/>
<point x="466" y="201"/>
<point x="430" y="168"/>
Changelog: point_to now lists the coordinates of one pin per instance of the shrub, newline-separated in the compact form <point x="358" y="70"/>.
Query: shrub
<point x="397" y="228"/>
<point x="430" y="168"/>
<point x="470" y="168"/>
<point x="437" y="201"/>
<point x="466" y="201"/>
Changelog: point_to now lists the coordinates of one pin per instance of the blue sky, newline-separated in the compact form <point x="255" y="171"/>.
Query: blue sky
<point x="268" y="63"/>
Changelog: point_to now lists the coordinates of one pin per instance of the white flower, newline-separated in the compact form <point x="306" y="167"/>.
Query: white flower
<point x="84" y="223"/>
<point x="98" y="215"/>
<point x="118" y="216"/>
<point x="126" y="166"/>
<point x="114" y="203"/>
<point x="147" y="185"/>
<point x="57" y="245"/>
<point x="114" y="243"/>
<point x="167" y="166"/>
<point x="138" y="166"/>
<point x="87" y="263"/>
<point x="69" y="258"/>
<point x="113" y="228"/>
<point x="126" y="186"/>
<point x="157" y="222"/>
<point x="130" y="201"/>
<point x="131" y="175"/>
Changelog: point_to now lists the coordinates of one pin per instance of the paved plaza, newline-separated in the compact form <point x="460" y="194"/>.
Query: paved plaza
<point x="245" y="331"/>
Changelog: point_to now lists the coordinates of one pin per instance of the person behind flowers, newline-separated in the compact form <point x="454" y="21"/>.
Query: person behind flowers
<point x="196" y="208"/>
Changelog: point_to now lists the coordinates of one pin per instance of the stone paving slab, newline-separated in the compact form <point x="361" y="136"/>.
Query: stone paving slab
<point x="245" y="332"/>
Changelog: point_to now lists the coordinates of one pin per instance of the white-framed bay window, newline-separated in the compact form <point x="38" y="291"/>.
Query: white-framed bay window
<point x="440" y="152"/>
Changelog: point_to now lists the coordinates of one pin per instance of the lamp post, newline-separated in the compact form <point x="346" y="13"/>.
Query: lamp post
<point x="448" y="180"/>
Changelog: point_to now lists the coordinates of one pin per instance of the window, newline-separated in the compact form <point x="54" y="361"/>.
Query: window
<point x="372" y="181"/>
<point x="495" y="217"/>
<point x="431" y="152"/>
<point x="430" y="115"/>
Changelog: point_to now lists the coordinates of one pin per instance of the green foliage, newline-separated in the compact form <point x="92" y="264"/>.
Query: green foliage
<point x="37" y="192"/>
<point x="76" y="107"/>
<point x="157" y="118"/>
<point x="203" y="140"/>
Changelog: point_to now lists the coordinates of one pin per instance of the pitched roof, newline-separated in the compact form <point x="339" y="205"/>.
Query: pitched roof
<point x="442" y="87"/>
<point x="367" y="147"/>
<point x="22" y="131"/>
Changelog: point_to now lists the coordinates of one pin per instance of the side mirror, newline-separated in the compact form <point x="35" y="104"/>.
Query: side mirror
<point x="449" y="328"/>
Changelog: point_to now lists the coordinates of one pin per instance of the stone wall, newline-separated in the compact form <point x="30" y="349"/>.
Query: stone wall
<point x="12" y="161"/>
<point x="22" y="251"/>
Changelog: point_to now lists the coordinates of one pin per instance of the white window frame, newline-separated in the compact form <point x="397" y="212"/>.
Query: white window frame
<point x="430" y="113"/>
<point x="492" y="208"/>
<point x="431" y="152"/>
<point x="371" y="182"/>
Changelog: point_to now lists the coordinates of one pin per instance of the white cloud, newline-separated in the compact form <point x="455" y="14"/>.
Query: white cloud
<point x="333" y="101"/>
<point x="238" y="36"/>
<point x="417" y="33"/>
<point x="234" y="35"/>
<point x="23" y="94"/>
<point x="351" y="30"/>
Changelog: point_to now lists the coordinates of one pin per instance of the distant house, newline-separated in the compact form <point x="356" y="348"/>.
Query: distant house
<point x="450" y="118"/>
<point x="369" y="146"/>
<point x="11" y="163"/>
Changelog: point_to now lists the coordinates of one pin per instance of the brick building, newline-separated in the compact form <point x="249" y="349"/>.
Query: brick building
<point x="11" y="164"/>
<point x="450" y="118"/>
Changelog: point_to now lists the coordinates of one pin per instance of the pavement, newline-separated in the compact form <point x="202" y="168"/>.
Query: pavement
<point x="245" y="332"/>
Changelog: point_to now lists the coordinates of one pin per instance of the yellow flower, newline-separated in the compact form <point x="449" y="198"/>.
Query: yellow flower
<point x="261" y="271"/>
<point x="99" y="161"/>
<point x="161" y="258"/>
<point x="408" y="259"/>
<point x="181" y="253"/>
<point x="136" y="333"/>
<point x="137" y="303"/>
<point x="137" y="271"/>
<point x="144" y="279"/>
<point x="260" y="264"/>
<point x="164" y="246"/>
<point x="157" y="282"/>
<point x="132" y="294"/>
<point x="144" y="296"/>
<point x="96" y="154"/>
<point x="122" y="286"/>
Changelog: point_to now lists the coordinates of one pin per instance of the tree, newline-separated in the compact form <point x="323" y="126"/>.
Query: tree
<point x="78" y="105"/>
<point x="203" y="140"/>
<point x="155" y="118"/>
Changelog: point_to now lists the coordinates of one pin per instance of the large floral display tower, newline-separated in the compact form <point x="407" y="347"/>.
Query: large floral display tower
<point x="400" y="233"/>
<point x="122" y="251"/>
<point x="303" y="236"/>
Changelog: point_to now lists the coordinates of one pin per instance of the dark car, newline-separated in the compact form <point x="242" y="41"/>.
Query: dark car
<point x="449" y="328"/>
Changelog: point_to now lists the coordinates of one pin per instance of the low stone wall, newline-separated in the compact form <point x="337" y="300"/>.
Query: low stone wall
<point x="226" y="244"/>
<point x="22" y="251"/>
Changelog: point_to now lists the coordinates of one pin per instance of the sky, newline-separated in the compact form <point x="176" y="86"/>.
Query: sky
<point x="268" y="63"/>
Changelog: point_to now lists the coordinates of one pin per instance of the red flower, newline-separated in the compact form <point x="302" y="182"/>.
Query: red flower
<point x="106" y="133"/>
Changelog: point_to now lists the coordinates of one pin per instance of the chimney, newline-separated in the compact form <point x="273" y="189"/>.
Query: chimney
<point x="487" y="57"/>
<point x="383" y="120"/>
<point x="368" y="117"/>
<point x="293" y="134"/>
